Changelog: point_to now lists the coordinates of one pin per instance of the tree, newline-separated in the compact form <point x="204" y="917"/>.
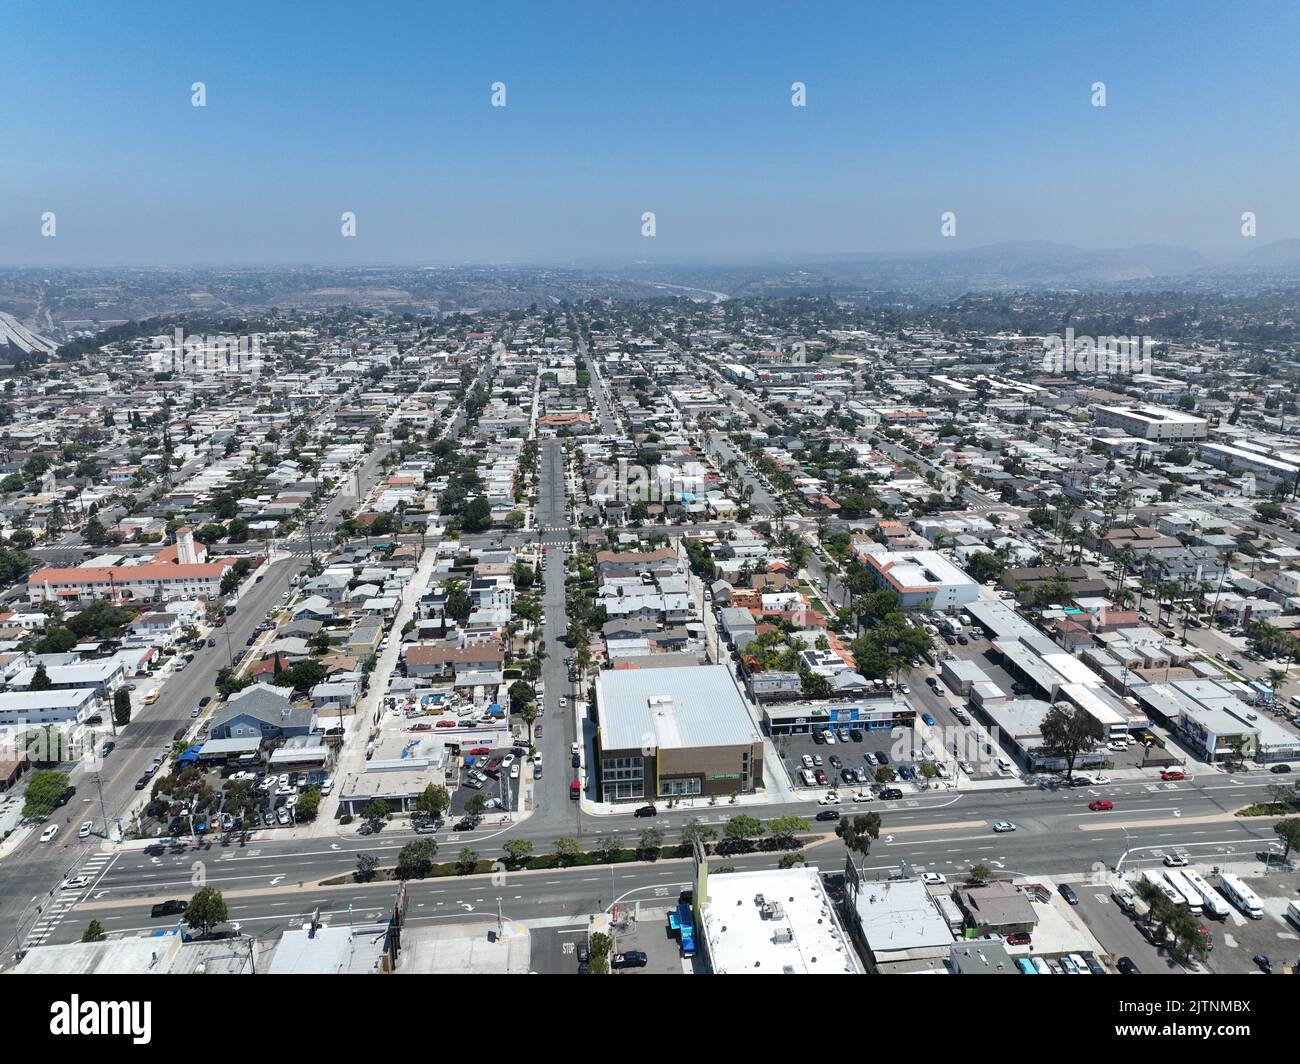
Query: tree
<point x="459" y="605"/>
<point x="1288" y="830"/>
<point x="652" y="842"/>
<point x="477" y="516"/>
<point x="979" y="874"/>
<point x="743" y="827"/>
<point x="466" y="862"/>
<point x="859" y="832"/>
<point x="695" y="830"/>
<point x="308" y="805"/>
<point x="521" y="693"/>
<point x="475" y="806"/>
<point x="94" y="932"/>
<point x="609" y="847"/>
<point x="415" y="859"/>
<point x="1068" y="731"/>
<point x="600" y="945"/>
<point x="433" y="801"/>
<point x="791" y="860"/>
<point x="375" y="812"/>
<point x="367" y="866"/>
<point x="121" y="707"/>
<point x="44" y="789"/>
<point x="206" y="909"/>
<point x="41" y="679"/>
<point x="518" y="851"/>
<point x="93" y="532"/>
<point x="783" y="829"/>
<point x="566" y="850"/>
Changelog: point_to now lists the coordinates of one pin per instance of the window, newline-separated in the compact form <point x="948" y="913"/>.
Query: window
<point x="678" y="787"/>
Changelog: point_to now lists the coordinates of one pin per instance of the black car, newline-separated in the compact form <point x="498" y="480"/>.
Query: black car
<point x="576" y="760"/>
<point x="167" y="908"/>
<point x="1067" y="892"/>
<point x="142" y="783"/>
<point x="467" y="824"/>
<point x="891" y="794"/>
<point x="1280" y="768"/>
<point x="584" y="953"/>
<point x="829" y="814"/>
<point x="646" y="810"/>
<point x="108" y="747"/>
<point x="630" y="959"/>
<point x="1127" y="967"/>
<point x="882" y="758"/>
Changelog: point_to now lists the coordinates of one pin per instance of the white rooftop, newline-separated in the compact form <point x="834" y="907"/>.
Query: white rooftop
<point x="798" y="935"/>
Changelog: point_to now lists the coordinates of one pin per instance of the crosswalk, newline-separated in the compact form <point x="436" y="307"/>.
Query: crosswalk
<point x="63" y="901"/>
<point x="554" y="528"/>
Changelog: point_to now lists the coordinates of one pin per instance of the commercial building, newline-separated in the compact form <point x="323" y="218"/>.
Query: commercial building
<point x="1211" y="718"/>
<point x="883" y="713"/>
<point x="1154" y="423"/>
<point x="674" y="733"/>
<point x="923" y="579"/>
<point x="774" y="922"/>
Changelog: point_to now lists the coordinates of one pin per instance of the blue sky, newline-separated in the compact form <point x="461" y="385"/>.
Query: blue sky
<point x="617" y="108"/>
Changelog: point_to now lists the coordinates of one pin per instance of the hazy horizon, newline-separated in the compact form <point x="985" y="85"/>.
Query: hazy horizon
<point x="909" y="114"/>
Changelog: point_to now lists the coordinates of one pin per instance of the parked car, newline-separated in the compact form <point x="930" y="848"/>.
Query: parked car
<point x="630" y="959"/>
<point x="1067" y="892"/>
<point x="1127" y="967"/>
<point x="646" y="810"/>
<point x="1019" y="938"/>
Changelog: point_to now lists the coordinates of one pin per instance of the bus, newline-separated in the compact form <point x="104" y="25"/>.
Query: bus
<point x="1154" y="876"/>
<point x="1213" y="900"/>
<point x="1241" y="895"/>
<point x="1191" y="896"/>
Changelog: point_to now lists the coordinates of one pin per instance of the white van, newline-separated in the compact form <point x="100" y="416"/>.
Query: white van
<point x="1293" y="912"/>
<point x="1004" y="766"/>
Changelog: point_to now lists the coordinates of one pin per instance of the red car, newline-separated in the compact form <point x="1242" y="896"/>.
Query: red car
<point x="477" y="750"/>
<point x="1173" y="774"/>
<point x="445" y="724"/>
<point x="1019" y="938"/>
<point x="1101" y="805"/>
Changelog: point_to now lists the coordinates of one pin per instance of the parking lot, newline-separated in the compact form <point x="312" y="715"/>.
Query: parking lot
<point x="832" y="757"/>
<point x="1236" y="939"/>
<point x="650" y="935"/>
<point x="207" y="800"/>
